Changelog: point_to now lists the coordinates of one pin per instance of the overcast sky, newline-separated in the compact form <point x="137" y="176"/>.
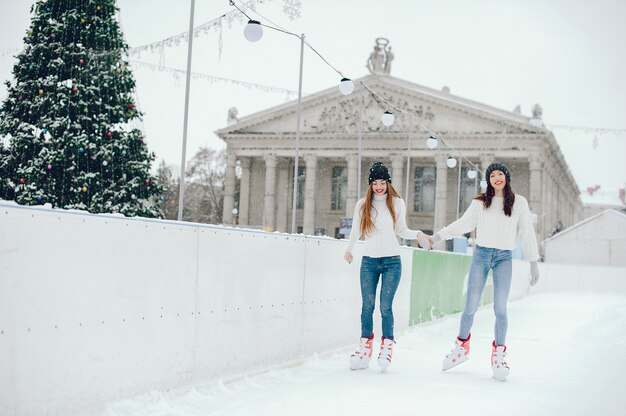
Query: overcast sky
<point x="566" y="55"/>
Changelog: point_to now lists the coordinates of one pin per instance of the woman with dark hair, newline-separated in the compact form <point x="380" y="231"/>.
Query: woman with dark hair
<point x="378" y="219"/>
<point x="499" y="218"/>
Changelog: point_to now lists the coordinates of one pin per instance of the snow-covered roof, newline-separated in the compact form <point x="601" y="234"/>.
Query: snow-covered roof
<point x="609" y="212"/>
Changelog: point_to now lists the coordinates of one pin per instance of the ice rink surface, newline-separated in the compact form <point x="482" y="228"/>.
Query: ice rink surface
<point x="567" y="353"/>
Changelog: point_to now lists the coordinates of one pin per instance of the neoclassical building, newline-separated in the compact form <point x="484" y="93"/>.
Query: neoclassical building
<point x="337" y="131"/>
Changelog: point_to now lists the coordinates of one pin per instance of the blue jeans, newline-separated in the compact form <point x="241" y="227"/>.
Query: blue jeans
<point x="390" y="268"/>
<point x="501" y="264"/>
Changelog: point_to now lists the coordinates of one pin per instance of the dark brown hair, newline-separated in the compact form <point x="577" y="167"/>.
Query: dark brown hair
<point x="487" y="197"/>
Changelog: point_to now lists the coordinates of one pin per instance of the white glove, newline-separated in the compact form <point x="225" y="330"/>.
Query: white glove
<point x="534" y="273"/>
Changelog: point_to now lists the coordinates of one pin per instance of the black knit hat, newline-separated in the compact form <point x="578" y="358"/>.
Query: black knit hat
<point x="379" y="171"/>
<point x="498" y="166"/>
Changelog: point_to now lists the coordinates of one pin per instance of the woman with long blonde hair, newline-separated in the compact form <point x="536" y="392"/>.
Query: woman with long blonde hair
<point x="379" y="219"/>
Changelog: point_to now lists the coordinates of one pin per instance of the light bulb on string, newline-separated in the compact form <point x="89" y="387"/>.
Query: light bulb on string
<point x="451" y="162"/>
<point x="346" y="86"/>
<point x="387" y="118"/>
<point x="253" y="31"/>
<point x="432" y="142"/>
<point x="471" y="173"/>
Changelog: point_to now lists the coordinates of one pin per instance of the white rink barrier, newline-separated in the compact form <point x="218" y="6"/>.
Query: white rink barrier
<point x="94" y="308"/>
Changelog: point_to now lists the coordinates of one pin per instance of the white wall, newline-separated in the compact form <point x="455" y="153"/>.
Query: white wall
<point x="94" y="308"/>
<point x="598" y="241"/>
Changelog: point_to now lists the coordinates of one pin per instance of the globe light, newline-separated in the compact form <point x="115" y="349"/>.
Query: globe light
<point x="483" y="184"/>
<point x="235" y="211"/>
<point x="471" y="173"/>
<point x="253" y="31"/>
<point x="387" y="118"/>
<point x="432" y="142"/>
<point x="346" y="86"/>
<point x="451" y="162"/>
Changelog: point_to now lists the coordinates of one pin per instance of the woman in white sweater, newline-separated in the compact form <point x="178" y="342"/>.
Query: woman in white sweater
<point x="499" y="218"/>
<point x="378" y="219"/>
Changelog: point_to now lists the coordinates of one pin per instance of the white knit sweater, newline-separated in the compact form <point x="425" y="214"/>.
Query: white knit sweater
<point x="494" y="229"/>
<point x="382" y="242"/>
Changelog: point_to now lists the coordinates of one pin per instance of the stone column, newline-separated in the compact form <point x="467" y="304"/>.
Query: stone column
<point x="351" y="198"/>
<point x="485" y="161"/>
<point x="308" y="222"/>
<point x="229" y="189"/>
<point x="283" y="202"/>
<point x="534" y="197"/>
<point x="269" y="203"/>
<point x="441" y="192"/>
<point x="244" y="191"/>
<point x="397" y="174"/>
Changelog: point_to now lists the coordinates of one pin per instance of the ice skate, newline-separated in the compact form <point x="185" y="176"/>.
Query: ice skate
<point x="386" y="351"/>
<point x="458" y="355"/>
<point x="498" y="362"/>
<point x="360" y="359"/>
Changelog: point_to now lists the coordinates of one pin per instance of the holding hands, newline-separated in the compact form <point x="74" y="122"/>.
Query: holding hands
<point x="425" y="241"/>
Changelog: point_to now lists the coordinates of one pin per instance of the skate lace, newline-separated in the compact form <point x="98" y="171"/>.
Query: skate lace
<point x="362" y="349"/>
<point x="499" y="358"/>
<point x="458" y="349"/>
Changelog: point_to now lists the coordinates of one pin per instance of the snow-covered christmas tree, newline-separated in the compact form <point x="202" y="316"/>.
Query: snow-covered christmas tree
<point x="71" y="118"/>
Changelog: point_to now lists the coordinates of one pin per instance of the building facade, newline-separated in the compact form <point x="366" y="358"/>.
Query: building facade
<point x="341" y="136"/>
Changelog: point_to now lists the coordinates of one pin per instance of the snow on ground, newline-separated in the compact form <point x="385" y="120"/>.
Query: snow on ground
<point x="567" y="354"/>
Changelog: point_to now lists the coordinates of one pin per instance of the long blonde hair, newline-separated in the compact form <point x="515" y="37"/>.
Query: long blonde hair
<point x="367" y="225"/>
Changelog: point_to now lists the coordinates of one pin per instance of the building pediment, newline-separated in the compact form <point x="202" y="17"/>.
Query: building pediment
<point x="331" y="112"/>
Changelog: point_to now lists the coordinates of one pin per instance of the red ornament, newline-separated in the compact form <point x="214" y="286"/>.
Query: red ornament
<point x="49" y="167"/>
<point x="82" y="62"/>
<point x="21" y="98"/>
<point x="22" y="180"/>
<point x="75" y="89"/>
<point x="53" y="36"/>
<point x="130" y="106"/>
<point x="147" y="181"/>
<point x="109" y="135"/>
<point x="141" y="140"/>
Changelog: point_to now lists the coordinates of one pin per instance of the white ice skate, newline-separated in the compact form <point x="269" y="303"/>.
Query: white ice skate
<point x="360" y="359"/>
<point x="458" y="355"/>
<point x="386" y="351"/>
<point x="498" y="362"/>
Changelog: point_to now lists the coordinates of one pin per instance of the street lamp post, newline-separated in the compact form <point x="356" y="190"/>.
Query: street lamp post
<point x="181" y="193"/>
<point x="295" y="168"/>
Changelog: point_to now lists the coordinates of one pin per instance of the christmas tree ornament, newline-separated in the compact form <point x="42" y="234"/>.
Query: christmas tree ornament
<point x="98" y="8"/>
<point x="81" y="150"/>
<point x="40" y="92"/>
<point x="81" y="61"/>
<point x="147" y="181"/>
<point x="130" y="105"/>
<point x="49" y="167"/>
<point x="53" y="36"/>
<point x="30" y="67"/>
<point x="105" y="163"/>
<point x="109" y="134"/>
<point x="84" y="188"/>
<point x="74" y="89"/>
<point x="83" y="20"/>
<point x="22" y="180"/>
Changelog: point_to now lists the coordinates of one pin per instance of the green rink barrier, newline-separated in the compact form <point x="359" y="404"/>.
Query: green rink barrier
<point x="438" y="284"/>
